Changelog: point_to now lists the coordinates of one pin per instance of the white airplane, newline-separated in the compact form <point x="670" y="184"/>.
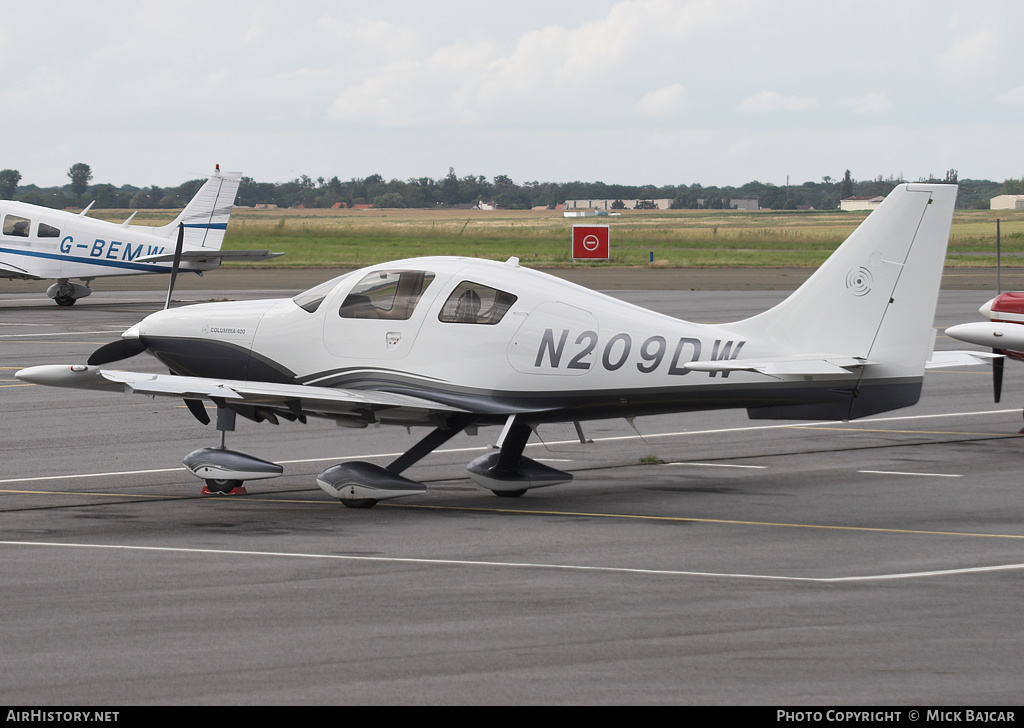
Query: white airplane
<point x="40" y="243"/>
<point x="1003" y="333"/>
<point x="456" y="343"/>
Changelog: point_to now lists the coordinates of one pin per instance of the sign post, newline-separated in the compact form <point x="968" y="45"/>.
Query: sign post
<point x="590" y="242"/>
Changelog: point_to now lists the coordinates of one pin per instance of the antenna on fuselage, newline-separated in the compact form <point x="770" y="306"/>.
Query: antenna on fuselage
<point x="176" y="263"/>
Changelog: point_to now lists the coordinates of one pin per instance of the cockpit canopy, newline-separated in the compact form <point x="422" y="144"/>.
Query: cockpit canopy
<point x="393" y="295"/>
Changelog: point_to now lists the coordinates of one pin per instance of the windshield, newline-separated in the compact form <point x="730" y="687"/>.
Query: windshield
<point x="310" y="300"/>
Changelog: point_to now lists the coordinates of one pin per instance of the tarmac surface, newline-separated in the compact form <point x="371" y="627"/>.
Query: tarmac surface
<point x="878" y="562"/>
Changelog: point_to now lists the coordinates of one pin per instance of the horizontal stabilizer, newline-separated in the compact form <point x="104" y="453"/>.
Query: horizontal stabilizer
<point x="960" y="359"/>
<point x="782" y="367"/>
<point x="233" y="256"/>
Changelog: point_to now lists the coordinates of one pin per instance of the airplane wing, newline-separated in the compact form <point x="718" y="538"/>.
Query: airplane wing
<point x="357" y="407"/>
<point x="9" y="270"/>
<point x="234" y="256"/>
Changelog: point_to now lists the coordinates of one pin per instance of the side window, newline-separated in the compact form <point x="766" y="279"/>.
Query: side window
<point x="48" y="231"/>
<point x="390" y="295"/>
<point x="16" y="226"/>
<point x="473" y="303"/>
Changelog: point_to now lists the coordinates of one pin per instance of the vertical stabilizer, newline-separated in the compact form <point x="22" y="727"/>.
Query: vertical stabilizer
<point x="874" y="298"/>
<point x="206" y="215"/>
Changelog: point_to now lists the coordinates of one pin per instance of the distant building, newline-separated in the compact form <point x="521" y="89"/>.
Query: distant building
<point x="864" y="202"/>
<point x="1007" y="202"/>
<point x="664" y="203"/>
<point x="734" y="204"/>
<point x="659" y="204"/>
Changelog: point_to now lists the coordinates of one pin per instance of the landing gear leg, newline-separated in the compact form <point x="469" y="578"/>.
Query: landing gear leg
<point x="431" y="442"/>
<point x="510" y="455"/>
<point x="224" y="486"/>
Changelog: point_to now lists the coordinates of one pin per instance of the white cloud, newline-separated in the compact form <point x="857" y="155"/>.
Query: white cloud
<point x="666" y="101"/>
<point x="969" y="52"/>
<point x="870" y="103"/>
<point x="771" y="101"/>
<point x="473" y="80"/>
<point x="1013" y="97"/>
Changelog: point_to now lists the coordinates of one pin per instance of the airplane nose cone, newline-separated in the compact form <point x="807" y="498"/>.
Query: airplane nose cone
<point x="986" y="309"/>
<point x="994" y="335"/>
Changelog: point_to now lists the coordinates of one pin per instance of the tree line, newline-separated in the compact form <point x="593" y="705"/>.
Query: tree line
<point x="454" y="191"/>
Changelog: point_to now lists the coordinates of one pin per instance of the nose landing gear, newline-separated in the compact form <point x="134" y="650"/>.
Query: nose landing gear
<point x="223" y="470"/>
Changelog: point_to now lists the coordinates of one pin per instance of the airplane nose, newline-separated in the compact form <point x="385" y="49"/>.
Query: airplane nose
<point x="986" y="309"/>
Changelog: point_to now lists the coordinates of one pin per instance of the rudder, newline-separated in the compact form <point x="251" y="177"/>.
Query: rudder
<point x="206" y="215"/>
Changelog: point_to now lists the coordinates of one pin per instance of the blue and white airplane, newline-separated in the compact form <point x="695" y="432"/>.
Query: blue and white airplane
<point x="39" y="243"/>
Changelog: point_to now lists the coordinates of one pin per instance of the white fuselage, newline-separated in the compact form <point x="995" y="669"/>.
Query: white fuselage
<point x="559" y="348"/>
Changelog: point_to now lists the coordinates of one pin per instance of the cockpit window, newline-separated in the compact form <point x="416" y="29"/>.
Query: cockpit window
<point x="473" y="303"/>
<point x="384" y="294"/>
<point x="310" y="300"/>
<point x="48" y="231"/>
<point x="16" y="226"/>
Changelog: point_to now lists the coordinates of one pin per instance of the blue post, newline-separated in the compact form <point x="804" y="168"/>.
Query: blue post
<point x="652" y="256"/>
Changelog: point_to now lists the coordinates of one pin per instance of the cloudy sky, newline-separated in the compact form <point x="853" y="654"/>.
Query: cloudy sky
<point x="637" y="91"/>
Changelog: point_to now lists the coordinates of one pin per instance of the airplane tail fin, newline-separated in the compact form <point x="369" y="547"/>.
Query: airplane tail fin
<point x="873" y="301"/>
<point x="206" y="215"/>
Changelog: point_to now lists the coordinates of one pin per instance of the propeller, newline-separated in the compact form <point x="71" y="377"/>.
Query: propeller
<point x="125" y="348"/>
<point x="176" y="263"/>
<point x="115" y="351"/>
<point x="997" y="374"/>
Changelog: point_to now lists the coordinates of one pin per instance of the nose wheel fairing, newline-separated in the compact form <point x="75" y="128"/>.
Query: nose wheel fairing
<point x="219" y="466"/>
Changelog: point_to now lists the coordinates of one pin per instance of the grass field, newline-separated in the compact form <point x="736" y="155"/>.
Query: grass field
<point x="677" y="238"/>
